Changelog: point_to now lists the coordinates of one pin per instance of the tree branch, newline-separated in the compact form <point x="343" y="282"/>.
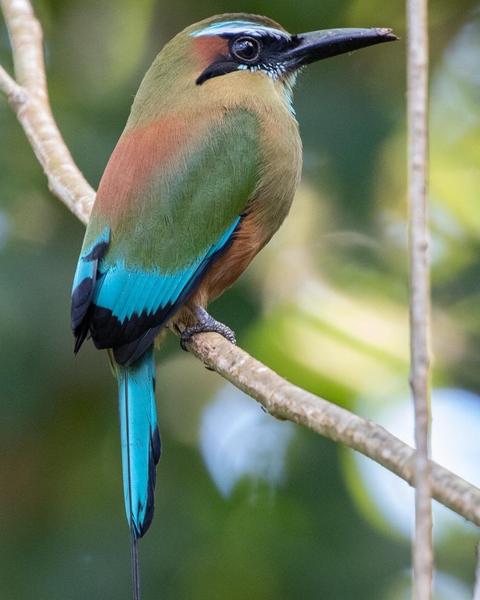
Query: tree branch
<point x="476" y="588"/>
<point x="14" y="93"/>
<point x="28" y="97"/>
<point x="417" y="13"/>
<point x="280" y="398"/>
<point x="287" y="401"/>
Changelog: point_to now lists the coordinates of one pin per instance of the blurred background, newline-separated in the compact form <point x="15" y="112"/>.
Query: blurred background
<point x="247" y="507"/>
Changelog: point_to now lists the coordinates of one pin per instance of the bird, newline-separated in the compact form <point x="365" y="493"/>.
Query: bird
<point x="201" y="178"/>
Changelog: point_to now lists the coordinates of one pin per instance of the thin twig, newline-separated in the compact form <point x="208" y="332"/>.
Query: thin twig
<point x="29" y="100"/>
<point x="476" y="590"/>
<point x="419" y="289"/>
<point x="14" y="93"/>
<point x="278" y="396"/>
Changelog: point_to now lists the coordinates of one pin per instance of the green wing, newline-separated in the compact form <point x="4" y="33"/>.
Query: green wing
<point x="172" y="229"/>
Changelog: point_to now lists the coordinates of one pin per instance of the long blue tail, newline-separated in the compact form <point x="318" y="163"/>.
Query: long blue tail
<point x="140" y="440"/>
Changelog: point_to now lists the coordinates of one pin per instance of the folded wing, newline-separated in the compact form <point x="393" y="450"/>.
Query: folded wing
<point x="145" y="256"/>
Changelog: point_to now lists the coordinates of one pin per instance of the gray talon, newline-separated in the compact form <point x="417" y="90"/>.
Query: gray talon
<point x="206" y="323"/>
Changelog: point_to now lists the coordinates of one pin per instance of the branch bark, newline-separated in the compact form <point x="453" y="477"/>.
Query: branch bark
<point x="279" y="397"/>
<point x="28" y="97"/>
<point x="417" y="13"/>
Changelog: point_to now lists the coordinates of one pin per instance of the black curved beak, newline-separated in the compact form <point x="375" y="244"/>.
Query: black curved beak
<point x="318" y="45"/>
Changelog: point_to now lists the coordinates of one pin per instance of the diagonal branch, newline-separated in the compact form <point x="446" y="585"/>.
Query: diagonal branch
<point x="287" y="401"/>
<point x="14" y="93"/>
<point x="28" y="97"/>
<point x="280" y="398"/>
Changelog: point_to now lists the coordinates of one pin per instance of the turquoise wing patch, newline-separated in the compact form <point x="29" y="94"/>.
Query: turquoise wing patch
<point x="127" y="292"/>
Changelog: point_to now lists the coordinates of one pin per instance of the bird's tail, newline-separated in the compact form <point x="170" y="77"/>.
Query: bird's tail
<point x="140" y="445"/>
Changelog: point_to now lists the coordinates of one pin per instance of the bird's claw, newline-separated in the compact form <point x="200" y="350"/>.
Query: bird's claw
<point x="206" y="323"/>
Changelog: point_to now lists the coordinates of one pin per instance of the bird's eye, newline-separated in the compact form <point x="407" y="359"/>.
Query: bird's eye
<point x="246" y="49"/>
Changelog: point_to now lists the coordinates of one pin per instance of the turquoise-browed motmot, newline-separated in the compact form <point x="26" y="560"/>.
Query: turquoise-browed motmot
<point x="201" y="178"/>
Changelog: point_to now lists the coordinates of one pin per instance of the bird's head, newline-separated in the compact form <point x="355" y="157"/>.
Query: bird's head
<point x="204" y="56"/>
<point x="256" y="44"/>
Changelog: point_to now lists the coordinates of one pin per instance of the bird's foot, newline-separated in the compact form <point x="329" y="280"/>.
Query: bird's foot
<point x="205" y="323"/>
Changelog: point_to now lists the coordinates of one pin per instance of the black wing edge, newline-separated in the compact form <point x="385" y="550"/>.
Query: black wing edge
<point x="82" y="296"/>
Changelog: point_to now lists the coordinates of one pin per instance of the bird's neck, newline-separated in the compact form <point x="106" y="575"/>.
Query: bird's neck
<point x="163" y="93"/>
